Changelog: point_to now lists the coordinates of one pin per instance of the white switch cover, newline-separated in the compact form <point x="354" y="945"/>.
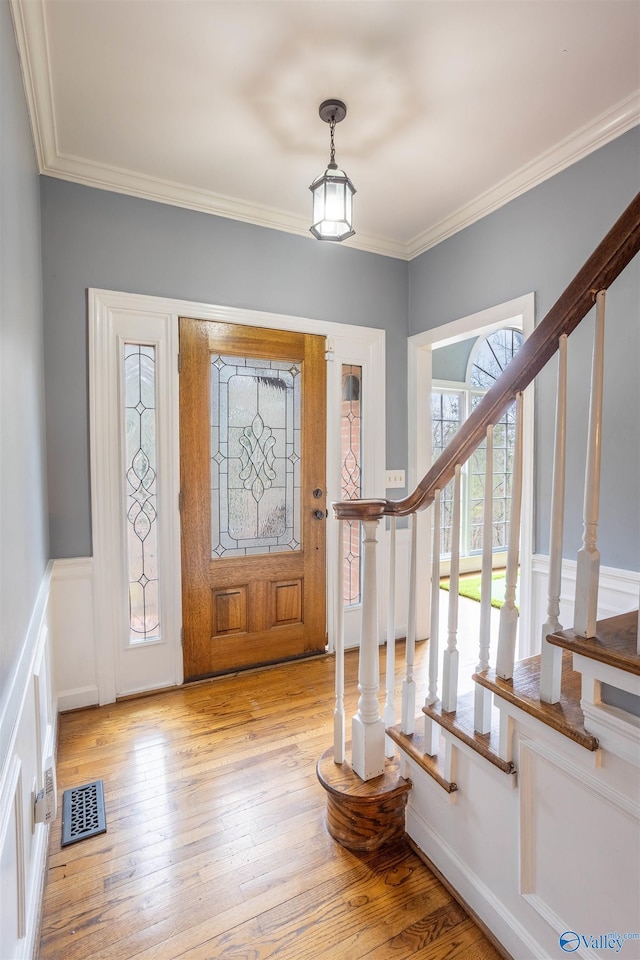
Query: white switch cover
<point x="395" y="478"/>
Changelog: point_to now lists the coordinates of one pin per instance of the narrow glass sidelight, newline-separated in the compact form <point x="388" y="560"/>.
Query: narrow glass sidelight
<point x="141" y="491"/>
<point x="351" y="477"/>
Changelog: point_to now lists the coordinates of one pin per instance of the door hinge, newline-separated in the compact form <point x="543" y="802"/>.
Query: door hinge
<point x="329" y="348"/>
<point x="180" y="501"/>
<point x="182" y="636"/>
<point x="179" y="363"/>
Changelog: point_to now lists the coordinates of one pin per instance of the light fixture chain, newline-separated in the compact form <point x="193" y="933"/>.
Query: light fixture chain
<point x="332" y="126"/>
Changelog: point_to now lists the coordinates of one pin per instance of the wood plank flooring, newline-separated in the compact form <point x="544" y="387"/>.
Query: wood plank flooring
<point x="216" y="845"/>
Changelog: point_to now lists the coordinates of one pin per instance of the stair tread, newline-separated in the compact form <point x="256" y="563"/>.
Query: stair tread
<point x="413" y="744"/>
<point x="461" y="724"/>
<point x="523" y="690"/>
<point x="615" y="642"/>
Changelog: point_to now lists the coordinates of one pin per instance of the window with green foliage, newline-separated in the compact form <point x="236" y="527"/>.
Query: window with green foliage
<point x="450" y="407"/>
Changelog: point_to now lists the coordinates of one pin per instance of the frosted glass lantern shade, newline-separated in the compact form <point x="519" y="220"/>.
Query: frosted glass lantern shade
<point x="332" y="206"/>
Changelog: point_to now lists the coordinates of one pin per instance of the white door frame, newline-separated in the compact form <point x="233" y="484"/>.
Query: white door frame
<point x="114" y="316"/>
<point x="518" y="313"/>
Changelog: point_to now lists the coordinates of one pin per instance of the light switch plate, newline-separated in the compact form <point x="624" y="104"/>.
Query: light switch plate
<point x="394" y="478"/>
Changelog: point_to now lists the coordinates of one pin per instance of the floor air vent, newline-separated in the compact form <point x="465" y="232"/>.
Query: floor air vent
<point x="83" y="813"/>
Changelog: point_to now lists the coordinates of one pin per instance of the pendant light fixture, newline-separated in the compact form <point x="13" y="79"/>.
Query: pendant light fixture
<point x="333" y="191"/>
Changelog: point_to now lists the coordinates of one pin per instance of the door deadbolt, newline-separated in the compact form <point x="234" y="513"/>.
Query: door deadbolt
<point x="317" y="493"/>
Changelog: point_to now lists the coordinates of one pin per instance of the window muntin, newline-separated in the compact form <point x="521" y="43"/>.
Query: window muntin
<point x="492" y="356"/>
<point x="449" y="409"/>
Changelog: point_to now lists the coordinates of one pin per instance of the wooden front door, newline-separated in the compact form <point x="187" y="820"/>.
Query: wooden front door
<point x="252" y="475"/>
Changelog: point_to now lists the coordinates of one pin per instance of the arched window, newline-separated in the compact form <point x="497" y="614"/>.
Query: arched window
<point x="491" y="355"/>
<point x="451" y="404"/>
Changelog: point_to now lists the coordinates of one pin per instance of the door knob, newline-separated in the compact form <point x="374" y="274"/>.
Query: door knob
<point x="318" y="514"/>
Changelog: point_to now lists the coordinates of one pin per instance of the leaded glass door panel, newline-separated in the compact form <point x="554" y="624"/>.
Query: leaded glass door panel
<point x="252" y="438"/>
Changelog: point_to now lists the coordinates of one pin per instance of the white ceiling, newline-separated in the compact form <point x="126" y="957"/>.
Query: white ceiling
<point x="454" y="107"/>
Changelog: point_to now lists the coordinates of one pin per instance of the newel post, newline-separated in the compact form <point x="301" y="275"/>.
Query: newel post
<point x="367" y="728"/>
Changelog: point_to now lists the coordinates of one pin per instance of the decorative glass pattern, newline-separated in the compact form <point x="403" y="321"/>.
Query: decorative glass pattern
<point x="255" y="456"/>
<point x="141" y="491"/>
<point x="351" y="477"/>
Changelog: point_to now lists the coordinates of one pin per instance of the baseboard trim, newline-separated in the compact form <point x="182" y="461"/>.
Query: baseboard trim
<point x="456" y="896"/>
<point x="77" y="699"/>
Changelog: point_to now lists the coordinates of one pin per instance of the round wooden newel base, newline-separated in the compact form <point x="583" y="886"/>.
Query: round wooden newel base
<point x="363" y="815"/>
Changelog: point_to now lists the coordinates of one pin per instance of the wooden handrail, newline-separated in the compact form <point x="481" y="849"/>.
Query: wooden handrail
<point x="607" y="261"/>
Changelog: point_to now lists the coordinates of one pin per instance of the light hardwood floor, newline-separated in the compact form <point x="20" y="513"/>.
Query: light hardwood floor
<point x="216" y="846"/>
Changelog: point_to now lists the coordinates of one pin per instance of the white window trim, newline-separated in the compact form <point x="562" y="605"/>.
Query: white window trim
<point x="520" y="314"/>
<point x="113" y="314"/>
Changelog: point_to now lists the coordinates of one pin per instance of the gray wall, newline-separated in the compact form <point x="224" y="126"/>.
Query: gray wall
<point x="450" y="362"/>
<point x="23" y="535"/>
<point x="92" y="238"/>
<point x="537" y="243"/>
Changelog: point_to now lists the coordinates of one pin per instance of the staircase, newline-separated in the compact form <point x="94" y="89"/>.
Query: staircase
<point x="525" y="793"/>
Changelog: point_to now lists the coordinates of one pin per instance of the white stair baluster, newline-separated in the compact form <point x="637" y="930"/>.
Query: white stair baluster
<point x="338" y="712"/>
<point x="431" y="728"/>
<point x="509" y="612"/>
<point x="409" y="684"/>
<point x="367" y="726"/>
<point x="482" y="696"/>
<point x="432" y="695"/>
<point x="588" y="567"/>
<point x="551" y="657"/>
<point x="451" y="656"/>
<point x="389" y="713"/>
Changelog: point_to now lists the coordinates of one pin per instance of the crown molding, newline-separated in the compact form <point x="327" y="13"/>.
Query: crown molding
<point x="609" y="125"/>
<point x="117" y="180"/>
<point x="31" y="36"/>
<point x="33" y="48"/>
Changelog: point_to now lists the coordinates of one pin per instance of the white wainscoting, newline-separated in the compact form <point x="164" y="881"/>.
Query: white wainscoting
<point x="28" y="726"/>
<point x="72" y="611"/>
<point x="558" y="853"/>
<point x="617" y="593"/>
<point x="71" y="618"/>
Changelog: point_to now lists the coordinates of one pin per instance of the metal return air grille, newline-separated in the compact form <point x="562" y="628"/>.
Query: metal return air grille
<point x="83" y="812"/>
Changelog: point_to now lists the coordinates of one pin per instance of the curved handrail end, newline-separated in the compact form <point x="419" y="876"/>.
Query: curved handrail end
<point x="359" y="509"/>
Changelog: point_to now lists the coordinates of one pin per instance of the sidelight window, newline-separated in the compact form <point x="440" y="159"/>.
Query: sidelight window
<point x="351" y="477"/>
<point x="141" y="491"/>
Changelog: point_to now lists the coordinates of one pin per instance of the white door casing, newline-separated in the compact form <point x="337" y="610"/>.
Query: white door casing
<point x="115" y="318"/>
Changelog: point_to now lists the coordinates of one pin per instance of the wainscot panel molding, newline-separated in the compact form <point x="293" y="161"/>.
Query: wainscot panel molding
<point x="71" y="618"/>
<point x="28" y="726"/>
<point x="618" y="593"/>
<point x="557" y="853"/>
